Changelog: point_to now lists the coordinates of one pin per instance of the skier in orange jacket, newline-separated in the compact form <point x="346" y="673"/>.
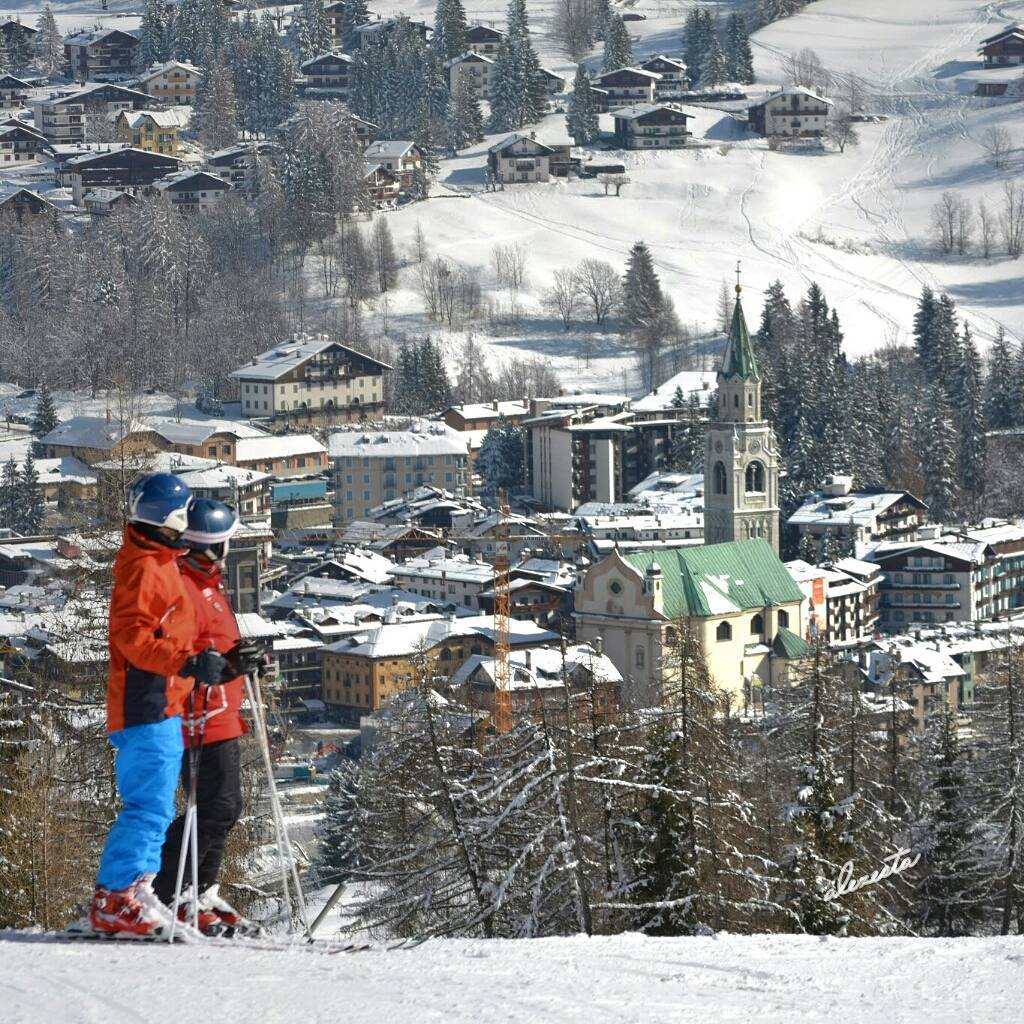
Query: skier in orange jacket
<point x="156" y="659"/>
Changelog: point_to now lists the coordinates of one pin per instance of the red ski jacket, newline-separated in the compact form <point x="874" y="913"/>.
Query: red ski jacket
<point x="215" y="627"/>
<point x="152" y="633"/>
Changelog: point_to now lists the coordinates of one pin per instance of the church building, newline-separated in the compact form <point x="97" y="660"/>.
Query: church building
<point x="741" y="458"/>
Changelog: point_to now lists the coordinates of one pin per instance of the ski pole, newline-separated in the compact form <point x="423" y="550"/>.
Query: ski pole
<point x="284" y="845"/>
<point x="190" y="830"/>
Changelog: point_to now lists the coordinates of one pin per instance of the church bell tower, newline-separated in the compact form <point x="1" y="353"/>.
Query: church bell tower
<point x="741" y="458"/>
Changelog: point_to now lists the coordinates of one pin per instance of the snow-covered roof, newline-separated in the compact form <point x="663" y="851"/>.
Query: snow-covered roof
<point x="637" y="110"/>
<point x="276" y="446"/>
<point x="675" y="61"/>
<point x="192" y="432"/>
<point x="401" y="639"/>
<point x="161" y="118"/>
<point x="490" y="411"/>
<point x="95" y="35"/>
<point x="860" y="508"/>
<point x="345" y="58"/>
<point x="219" y="477"/>
<point x="692" y="383"/>
<point x="540" y="668"/>
<point x="93" y="432"/>
<point x="794" y="90"/>
<point x="943" y="547"/>
<point x="515" y="137"/>
<point x="192" y="179"/>
<point x="434" y="439"/>
<point x="437" y="564"/>
<point x="388" y="149"/>
<point x="105" y="196"/>
<point x="652" y="75"/>
<point x="160" y="69"/>
<point x="469" y="56"/>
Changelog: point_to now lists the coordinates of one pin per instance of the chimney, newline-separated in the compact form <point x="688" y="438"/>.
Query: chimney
<point x="597" y="644"/>
<point x="494" y="404"/>
<point x="529" y="660"/>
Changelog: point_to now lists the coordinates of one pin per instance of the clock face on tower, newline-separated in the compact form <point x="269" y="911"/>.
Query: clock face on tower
<point x="755" y="446"/>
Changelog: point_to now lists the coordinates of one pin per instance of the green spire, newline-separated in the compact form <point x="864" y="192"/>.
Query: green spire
<point x="738" y="360"/>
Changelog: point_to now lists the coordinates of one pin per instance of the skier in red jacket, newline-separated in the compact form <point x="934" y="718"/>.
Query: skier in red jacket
<point x="216" y="722"/>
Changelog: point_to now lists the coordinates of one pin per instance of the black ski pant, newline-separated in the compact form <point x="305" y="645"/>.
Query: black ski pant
<point x="218" y="806"/>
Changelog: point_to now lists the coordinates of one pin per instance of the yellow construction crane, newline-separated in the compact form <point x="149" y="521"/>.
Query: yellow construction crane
<point x="501" y="714"/>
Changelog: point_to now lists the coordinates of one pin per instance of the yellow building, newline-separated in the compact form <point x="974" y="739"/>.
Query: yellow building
<point x="155" y="131"/>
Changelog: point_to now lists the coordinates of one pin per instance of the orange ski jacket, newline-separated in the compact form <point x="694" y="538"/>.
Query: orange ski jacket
<point x="216" y="627"/>
<point x="152" y="633"/>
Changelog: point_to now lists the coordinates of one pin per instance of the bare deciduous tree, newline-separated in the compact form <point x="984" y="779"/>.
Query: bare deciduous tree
<point x="1011" y="218"/>
<point x="998" y="144"/>
<point x="573" y="27"/>
<point x="509" y="262"/>
<point x="563" y="297"/>
<point x="806" y="68"/>
<point x="601" y="285"/>
<point x="986" y="228"/>
<point x="840" y="130"/>
<point x="944" y="219"/>
<point x="964" y="227"/>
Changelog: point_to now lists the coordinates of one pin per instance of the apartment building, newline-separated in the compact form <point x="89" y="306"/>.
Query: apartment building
<point x="370" y="468"/>
<point x="651" y="126"/>
<point x="790" y="113"/>
<point x="100" y="54"/>
<point x="174" y="83"/>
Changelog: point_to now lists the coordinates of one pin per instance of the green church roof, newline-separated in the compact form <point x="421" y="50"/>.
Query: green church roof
<point x="738" y="360"/>
<point x="719" y="579"/>
<point x="788" y="645"/>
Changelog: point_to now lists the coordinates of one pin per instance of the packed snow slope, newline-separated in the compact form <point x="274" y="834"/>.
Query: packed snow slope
<point x="626" y="979"/>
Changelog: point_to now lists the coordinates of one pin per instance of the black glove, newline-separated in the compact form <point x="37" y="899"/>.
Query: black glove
<point x="205" y="668"/>
<point x="244" y="659"/>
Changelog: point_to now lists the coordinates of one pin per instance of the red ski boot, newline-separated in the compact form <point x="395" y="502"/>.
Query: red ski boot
<point x="131" y="912"/>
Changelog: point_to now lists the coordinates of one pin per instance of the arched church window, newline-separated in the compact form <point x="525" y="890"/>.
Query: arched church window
<point x="721" y="480"/>
<point x="784" y="618"/>
<point x="736" y="401"/>
<point x="755" y="478"/>
<point x="757" y="625"/>
<point x="724" y="631"/>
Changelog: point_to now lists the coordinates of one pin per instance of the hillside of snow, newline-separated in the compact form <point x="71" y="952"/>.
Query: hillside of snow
<point x="626" y="979"/>
<point x="858" y="223"/>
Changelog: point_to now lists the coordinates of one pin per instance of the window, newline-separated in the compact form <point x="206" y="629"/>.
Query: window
<point x="784" y="619"/>
<point x="724" y="631"/>
<point x="615" y="587"/>
<point x="639" y="657"/>
<point x="757" y="625"/>
<point x="755" y="478"/>
<point x="720" y="479"/>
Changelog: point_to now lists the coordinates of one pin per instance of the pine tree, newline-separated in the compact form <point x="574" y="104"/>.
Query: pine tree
<point x="618" y="48"/>
<point x="1002" y="400"/>
<point x="44" y="418"/>
<point x="948" y="898"/>
<point x="19" y="48"/>
<point x="582" y="120"/>
<point x="354" y="14"/>
<point x="337" y="836"/>
<point x="50" y="46"/>
<point x="939" y="451"/>
<point x="464" y="124"/>
<point x="505" y="92"/>
<point x="30" y="509"/>
<point x="384" y="258"/>
<point x="970" y="418"/>
<point x="738" y="54"/>
<point x="153" y="33"/>
<point x="10" y="490"/>
<point x="310" y="30"/>
<point x="714" y="71"/>
<point x="601" y="9"/>
<point x="698" y="34"/>
<point x="500" y="462"/>
<point x="648" y="312"/>
<point x="216" y="108"/>
<point x="449" y="39"/>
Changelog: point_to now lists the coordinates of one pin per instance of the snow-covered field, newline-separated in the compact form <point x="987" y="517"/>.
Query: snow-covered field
<point x="625" y="979"/>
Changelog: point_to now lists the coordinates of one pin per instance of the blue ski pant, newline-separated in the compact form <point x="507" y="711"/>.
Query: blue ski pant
<point x="146" y="766"/>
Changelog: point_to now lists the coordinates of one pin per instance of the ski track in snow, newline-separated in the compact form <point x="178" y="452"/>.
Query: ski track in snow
<point x="624" y="979"/>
